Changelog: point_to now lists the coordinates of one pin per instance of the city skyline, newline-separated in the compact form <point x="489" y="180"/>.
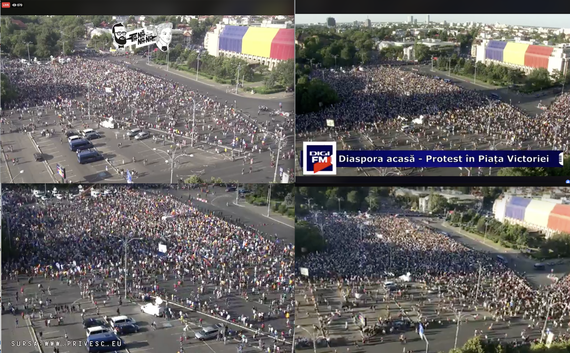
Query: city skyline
<point x="554" y="20"/>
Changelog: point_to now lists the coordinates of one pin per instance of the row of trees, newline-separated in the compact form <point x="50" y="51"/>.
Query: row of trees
<point x="329" y="49"/>
<point x="340" y="198"/>
<point x="356" y="46"/>
<point x="45" y="36"/>
<point x="8" y="92"/>
<point x="513" y="235"/>
<point x="537" y="171"/>
<point x="495" y="74"/>
<point x="480" y="345"/>
<point x="225" y="69"/>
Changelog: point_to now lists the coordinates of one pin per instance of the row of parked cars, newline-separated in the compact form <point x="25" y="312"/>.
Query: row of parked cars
<point x="120" y="325"/>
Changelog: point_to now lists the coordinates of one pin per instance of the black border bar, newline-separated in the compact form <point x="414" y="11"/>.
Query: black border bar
<point x="431" y="181"/>
<point x="149" y="7"/>
<point x="427" y="7"/>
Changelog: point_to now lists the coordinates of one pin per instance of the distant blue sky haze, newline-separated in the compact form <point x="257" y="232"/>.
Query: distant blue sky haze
<point x="537" y="20"/>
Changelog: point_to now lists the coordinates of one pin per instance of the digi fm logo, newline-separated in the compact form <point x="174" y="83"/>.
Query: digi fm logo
<point x="319" y="158"/>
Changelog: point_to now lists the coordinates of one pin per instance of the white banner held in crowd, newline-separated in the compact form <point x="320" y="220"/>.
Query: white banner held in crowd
<point x="162" y="248"/>
<point x="304" y="271"/>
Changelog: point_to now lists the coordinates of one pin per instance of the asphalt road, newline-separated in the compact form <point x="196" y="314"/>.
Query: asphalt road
<point x="441" y="336"/>
<point x="397" y="140"/>
<point x="167" y="336"/>
<point x="517" y="261"/>
<point x="256" y="216"/>
<point x="247" y="103"/>
<point x="210" y="157"/>
<point x="527" y="103"/>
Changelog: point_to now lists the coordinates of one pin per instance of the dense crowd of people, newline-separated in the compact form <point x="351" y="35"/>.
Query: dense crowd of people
<point x="360" y="251"/>
<point x="381" y="100"/>
<point x="213" y="258"/>
<point x="86" y="91"/>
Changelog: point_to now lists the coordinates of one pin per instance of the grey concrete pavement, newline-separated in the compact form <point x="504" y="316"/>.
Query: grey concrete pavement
<point x="246" y="102"/>
<point x="214" y="153"/>
<point x="21" y="147"/>
<point x="278" y="225"/>
<point x="167" y="336"/>
<point x="517" y="261"/>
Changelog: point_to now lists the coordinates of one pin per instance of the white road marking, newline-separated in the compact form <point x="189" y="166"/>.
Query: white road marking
<point x="49" y="332"/>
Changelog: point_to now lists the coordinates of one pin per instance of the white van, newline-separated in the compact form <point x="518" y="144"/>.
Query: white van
<point x="407" y="128"/>
<point x="134" y="132"/>
<point x="96" y="330"/>
<point x="118" y="320"/>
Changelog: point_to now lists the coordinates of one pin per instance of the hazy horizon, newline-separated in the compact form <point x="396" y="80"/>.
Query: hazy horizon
<point x="536" y="20"/>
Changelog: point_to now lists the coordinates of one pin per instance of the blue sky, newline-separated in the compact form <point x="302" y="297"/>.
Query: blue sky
<point x="538" y="20"/>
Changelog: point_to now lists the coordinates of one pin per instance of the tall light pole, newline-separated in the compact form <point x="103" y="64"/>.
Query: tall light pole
<point x="88" y="100"/>
<point x="458" y="317"/>
<point x="475" y="76"/>
<point x="198" y="65"/>
<point x="478" y="283"/>
<point x="493" y="146"/>
<point x="269" y="201"/>
<point x="550" y="306"/>
<point x="335" y="56"/>
<point x="167" y="58"/>
<point x="277" y="160"/>
<point x="172" y="160"/>
<point x="126" y="242"/>
<point x="312" y="337"/>
<point x="28" y="45"/>
<point x="237" y="78"/>
<point x="339" y="200"/>
<point x="565" y="69"/>
<point x="193" y="122"/>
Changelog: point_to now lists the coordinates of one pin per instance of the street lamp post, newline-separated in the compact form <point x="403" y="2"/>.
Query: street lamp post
<point x="172" y="160"/>
<point x="193" y="121"/>
<point x="277" y="160"/>
<point x="197" y="65"/>
<point x="339" y="200"/>
<point x="269" y="200"/>
<point x="167" y="58"/>
<point x="475" y="76"/>
<point x="88" y="100"/>
<point x="478" y="283"/>
<point x="335" y="56"/>
<point x="493" y="146"/>
<point x="237" y="78"/>
<point x="546" y="320"/>
<point x="565" y="69"/>
<point x="126" y="245"/>
<point x="458" y="317"/>
<point x="28" y="45"/>
<point x="312" y="337"/>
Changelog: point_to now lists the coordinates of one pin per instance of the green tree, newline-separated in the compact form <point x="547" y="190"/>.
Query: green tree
<point x="539" y="78"/>
<point x="312" y="95"/>
<point x="8" y="92"/>
<point x="437" y="203"/>
<point x="194" y="179"/>
<point x="537" y="171"/>
<point x="308" y="238"/>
